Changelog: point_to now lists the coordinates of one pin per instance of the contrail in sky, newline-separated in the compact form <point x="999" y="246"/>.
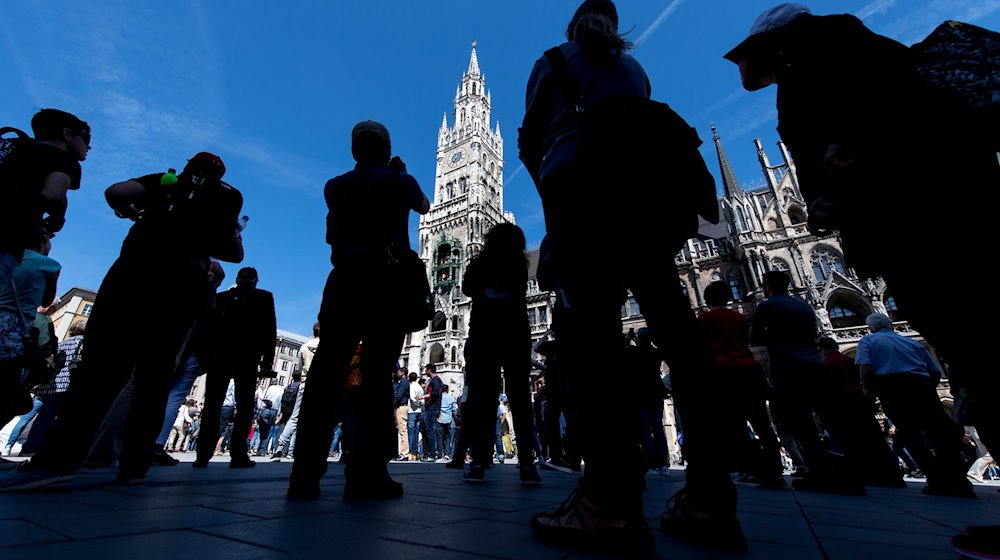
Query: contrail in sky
<point x="876" y="7"/>
<point x="659" y="21"/>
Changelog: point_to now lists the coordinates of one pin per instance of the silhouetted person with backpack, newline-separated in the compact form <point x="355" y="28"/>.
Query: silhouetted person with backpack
<point x="181" y="222"/>
<point x="34" y="178"/>
<point x="586" y="101"/>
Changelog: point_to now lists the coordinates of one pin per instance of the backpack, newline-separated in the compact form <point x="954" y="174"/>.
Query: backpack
<point x="8" y="145"/>
<point x="648" y="151"/>
<point x="288" y="397"/>
<point x="962" y="61"/>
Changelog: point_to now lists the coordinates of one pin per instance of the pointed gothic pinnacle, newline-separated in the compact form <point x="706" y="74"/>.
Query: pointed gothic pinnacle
<point x="444" y="121"/>
<point x="474" y="61"/>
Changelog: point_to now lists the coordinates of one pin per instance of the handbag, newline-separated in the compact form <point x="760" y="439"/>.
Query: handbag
<point x="39" y="369"/>
<point x="414" y="302"/>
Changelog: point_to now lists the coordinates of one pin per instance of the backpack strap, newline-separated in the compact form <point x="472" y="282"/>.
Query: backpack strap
<point x="17" y="132"/>
<point x="562" y="71"/>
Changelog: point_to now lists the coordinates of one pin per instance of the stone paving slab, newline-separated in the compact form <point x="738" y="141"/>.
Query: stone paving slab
<point x="221" y="513"/>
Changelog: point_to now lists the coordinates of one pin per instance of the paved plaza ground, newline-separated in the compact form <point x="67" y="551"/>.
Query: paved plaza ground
<point x="221" y="513"/>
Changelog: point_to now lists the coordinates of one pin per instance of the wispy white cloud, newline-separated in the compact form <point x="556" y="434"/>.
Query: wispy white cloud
<point x="917" y="23"/>
<point x="726" y="101"/>
<point x="27" y="76"/>
<point x="874" y="8"/>
<point x="666" y="13"/>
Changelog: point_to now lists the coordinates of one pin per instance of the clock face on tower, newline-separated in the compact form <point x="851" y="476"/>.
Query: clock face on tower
<point x="456" y="158"/>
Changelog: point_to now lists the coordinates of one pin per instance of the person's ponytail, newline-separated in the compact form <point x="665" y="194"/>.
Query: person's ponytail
<point x="598" y="36"/>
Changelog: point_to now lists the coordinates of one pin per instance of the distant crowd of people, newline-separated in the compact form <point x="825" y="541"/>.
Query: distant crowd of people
<point x="872" y="133"/>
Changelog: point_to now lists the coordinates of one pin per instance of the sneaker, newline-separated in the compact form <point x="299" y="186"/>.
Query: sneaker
<point x="387" y="489"/>
<point x="164" y="460"/>
<point x="978" y="545"/>
<point x="579" y="524"/>
<point x="475" y="474"/>
<point x="975" y="477"/>
<point x="27" y="479"/>
<point x="529" y="476"/>
<point x="716" y="530"/>
<point x="277" y="456"/>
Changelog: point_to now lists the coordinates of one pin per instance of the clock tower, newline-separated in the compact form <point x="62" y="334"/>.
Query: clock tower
<point x="467" y="203"/>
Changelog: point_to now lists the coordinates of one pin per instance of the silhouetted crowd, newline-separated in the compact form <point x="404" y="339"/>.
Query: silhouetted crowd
<point x="875" y="128"/>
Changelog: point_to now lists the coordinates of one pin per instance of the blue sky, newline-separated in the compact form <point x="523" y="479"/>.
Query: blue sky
<point x="274" y="89"/>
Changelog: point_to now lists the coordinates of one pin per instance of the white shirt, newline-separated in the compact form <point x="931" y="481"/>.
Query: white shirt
<point x="416" y="400"/>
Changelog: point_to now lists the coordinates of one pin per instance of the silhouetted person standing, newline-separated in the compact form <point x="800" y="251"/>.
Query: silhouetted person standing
<point x="870" y="138"/>
<point x="367" y="222"/>
<point x="902" y="374"/>
<point x="590" y="71"/>
<point x="743" y="386"/>
<point x="181" y="221"/>
<point x="34" y="179"/>
<point x="243" y="329"/>
<point x="499" y="338"/>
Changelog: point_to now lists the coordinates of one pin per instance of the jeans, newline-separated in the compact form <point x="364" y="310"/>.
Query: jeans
<point x="16" y="432"/>
<point x="433" y="433"/>
<point x="445" y="442"/>
<point x="271" y="445"/>
<point x="336" y="436"/>
<point x="178" y="394"/>
<point x="413" y="432"/>
<point x="46" y="417"/>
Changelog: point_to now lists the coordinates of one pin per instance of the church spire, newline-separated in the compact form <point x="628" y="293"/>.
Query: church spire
<point x="474" y="61"/>
<point x="730" y="185"/>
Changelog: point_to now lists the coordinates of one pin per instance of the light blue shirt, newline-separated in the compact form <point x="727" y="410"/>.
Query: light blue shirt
<point x="448" y="404"/>
<point x="35" y="273"/>
<point x="889" y="352"/>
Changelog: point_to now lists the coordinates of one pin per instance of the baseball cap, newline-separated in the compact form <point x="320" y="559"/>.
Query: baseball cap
<point x="370" y="126"/>
<point x="771" y="20"/>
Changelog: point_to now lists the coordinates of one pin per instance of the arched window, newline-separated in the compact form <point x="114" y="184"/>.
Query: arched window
<point x="463" y="184"/>
<point x="843" y="315"/>
<point x="684" y="288"/>
<point x="824" y="261"/>
<point x="742" y="218"/>
<point x="454" y="354"/>
<point x="437" y="354"/>
<point x="796" y="216"/>
<point x="462" y="121"/>
<point x="473" y="89"/>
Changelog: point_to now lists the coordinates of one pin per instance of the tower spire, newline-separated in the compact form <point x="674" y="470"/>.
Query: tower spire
<point x="730" y="185"/>
<point x="474" y="61"/>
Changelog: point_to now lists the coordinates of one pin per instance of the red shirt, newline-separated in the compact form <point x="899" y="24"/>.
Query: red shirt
<point x="728" y="332"/>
